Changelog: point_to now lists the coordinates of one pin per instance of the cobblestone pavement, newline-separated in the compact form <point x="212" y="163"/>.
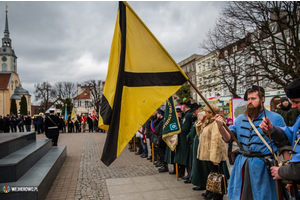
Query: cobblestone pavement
<point x="83" y="175"/>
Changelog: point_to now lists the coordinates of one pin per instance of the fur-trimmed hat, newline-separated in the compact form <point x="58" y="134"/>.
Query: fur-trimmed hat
<point x="214" y="107"/>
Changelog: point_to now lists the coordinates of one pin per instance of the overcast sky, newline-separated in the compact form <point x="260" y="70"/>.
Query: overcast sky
<point x="70" y="41"/>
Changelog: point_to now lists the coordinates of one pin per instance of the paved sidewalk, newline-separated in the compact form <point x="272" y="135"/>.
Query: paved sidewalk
<point x="84" y="176"/>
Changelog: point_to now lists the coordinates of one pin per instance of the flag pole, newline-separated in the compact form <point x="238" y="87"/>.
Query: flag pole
<point x="152" y="152"/>
<point x="224" y="125"/>
<point x="176" y="168"/>
<point x="177" y="176"/>
<point x="134" y="144"/>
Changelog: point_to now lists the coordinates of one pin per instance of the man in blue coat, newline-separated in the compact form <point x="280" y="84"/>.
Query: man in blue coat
<point x="250" y="177"/>
<point x="289" y="139"/>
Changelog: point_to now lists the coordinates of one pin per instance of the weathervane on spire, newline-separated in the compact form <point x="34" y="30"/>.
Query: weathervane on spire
<point x="6" y="8"/>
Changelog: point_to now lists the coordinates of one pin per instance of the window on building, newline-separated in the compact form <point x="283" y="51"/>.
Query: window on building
<point x="194" y="95"/>
<point x="200" y="81"/>
<point x="86" y="104"/>
<point x="208" y="65"/>
<point x="235" y="48"/>
<point x="79" y="104"/>
<point x="193" y="67"/>
<point x="193" y="79"/>
<point x="213" y="63"/>
<point x="225" y="53"/>
<point x="4" y="67"/>
<point x="188" y="68"/>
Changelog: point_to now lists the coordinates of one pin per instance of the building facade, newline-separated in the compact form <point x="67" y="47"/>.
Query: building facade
<point x="207" y="76"/>
<point x="188" y="65"/>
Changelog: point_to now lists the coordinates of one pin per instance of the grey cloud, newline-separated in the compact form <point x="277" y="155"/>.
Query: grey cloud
<point x="53" y="40"/>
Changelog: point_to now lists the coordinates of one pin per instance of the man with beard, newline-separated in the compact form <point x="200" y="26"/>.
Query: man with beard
<point x="289" y="139"/>
<point x="250" y="177"/>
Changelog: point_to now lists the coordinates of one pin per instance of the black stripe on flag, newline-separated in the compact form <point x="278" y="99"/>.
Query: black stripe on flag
<point x="111" y="143"/>
<point x="105" y="111"/>
<point x="153" y="79"/>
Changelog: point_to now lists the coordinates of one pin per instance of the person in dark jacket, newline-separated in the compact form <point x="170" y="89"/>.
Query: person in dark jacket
<point x="20" y="123"/>
<point x="13" y="124"/>
<point x="51" y="127"/>
<point x="1" y="124"/>
<point x="27" y="123"/>
<point x="162" y="145"/>
<point x="39" y="123"/>
<point x="77" y="123"/>
<point x="182" y="148"/>
<point x="6" y="124"/>
<point x="288" y="113"/>
<point x="149" y="134"/>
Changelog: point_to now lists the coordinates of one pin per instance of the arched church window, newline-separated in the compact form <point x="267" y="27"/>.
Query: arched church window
<point x="16" y="82"/>
<point x="12" y="86"/>
<point x="4" y="67"/>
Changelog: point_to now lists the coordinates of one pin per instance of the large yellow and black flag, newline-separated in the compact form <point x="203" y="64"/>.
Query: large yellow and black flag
<point x="141" y="77"/>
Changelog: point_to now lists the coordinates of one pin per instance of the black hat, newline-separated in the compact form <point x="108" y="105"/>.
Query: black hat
<point x="254" y="87"/>
<point x="194" y="107"/>
<point x="178" y="110"/>
<point x="292" y="91"/>
<point x="160" y="111"/>
<point x="186" y="101"/>
<point x="282" y="99"/>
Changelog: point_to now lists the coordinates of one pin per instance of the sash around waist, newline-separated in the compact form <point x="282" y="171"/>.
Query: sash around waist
<point x="258" y="155"/>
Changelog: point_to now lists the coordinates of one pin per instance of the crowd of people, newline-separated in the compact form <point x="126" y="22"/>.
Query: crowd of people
<point x="205" y="143"/>
<point x="24" y="123"/>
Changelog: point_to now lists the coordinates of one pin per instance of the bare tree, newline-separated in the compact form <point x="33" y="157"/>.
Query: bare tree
<point x="264" y="35"/>
<point x="96" y="91"/>
<point x="44" y="93"/>
<point x="229" y="71"/>
<point x="271" y="32"/>
<point x="65" y="89"/>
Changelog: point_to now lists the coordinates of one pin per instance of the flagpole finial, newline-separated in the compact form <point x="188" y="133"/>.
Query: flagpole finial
<point x="6" y="8"/>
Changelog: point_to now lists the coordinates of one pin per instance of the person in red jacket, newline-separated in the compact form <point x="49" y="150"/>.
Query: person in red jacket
<point x="83" y="122"/>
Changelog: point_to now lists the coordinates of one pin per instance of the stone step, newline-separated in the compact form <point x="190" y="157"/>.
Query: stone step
<point x="11" y="142"/>
<point x="40" y="176"/>
<point x="16" y="164"/>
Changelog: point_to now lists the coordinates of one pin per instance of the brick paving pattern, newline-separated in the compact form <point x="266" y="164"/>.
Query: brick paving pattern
<point x="83" y="175"/>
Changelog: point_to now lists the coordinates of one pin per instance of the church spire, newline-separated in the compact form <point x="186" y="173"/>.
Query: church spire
<point x="6" y="41"/>
<point x="6" y="31"/>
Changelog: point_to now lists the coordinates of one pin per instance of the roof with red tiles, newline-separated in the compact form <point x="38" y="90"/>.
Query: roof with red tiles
<point x="4" y="80"/>
<point x="84" y="95"/>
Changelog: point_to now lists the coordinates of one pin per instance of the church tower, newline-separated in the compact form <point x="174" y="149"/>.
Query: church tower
<point x="8" y="59"/>
<point x="10" y="84"/>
